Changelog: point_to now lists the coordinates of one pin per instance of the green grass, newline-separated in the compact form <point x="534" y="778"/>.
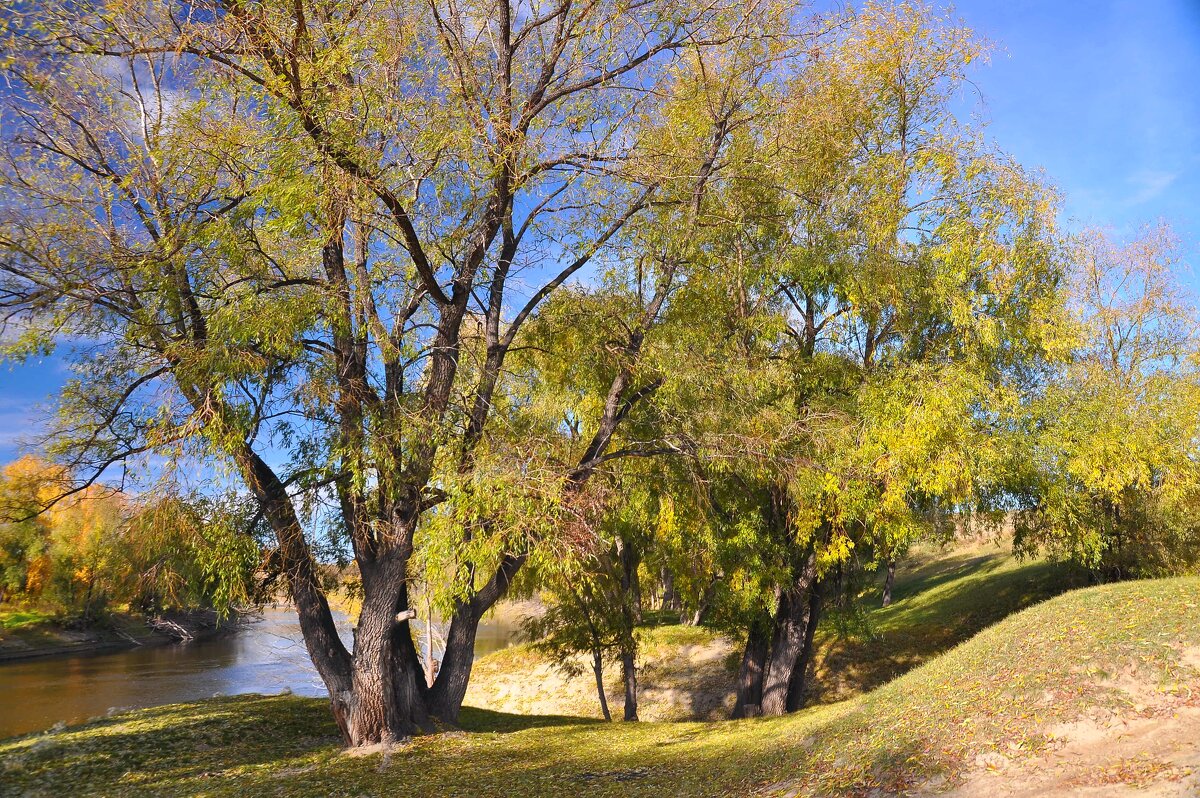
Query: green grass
<point x="1000" y="691"/>
<point x="28" y="631"/>
<point x="17" y="617"/>
<point x="941" y="598"/>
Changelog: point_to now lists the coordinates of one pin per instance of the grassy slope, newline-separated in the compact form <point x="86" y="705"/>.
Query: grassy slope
<point x="941" y="598"/>
<point x="998" y="692"/>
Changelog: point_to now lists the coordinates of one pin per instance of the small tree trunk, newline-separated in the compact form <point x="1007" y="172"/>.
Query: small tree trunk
<point x="430" y="673"/>
<point x="888" y="581"/>
<point x="630" y="583"/>
<point x="670" y="598"/>
<point x="598" y="669"/>
<point x="705" y="602"/>
<point x="750" y="674"/>
<point x="629" y="676"/>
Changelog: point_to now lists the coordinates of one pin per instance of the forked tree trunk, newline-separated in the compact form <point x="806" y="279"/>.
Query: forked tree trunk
<point x="787" y="640"/>
<point x="888" y="581"/>
<point x="449" y="689"/>
<point x="798" y="686"/>
<point x="750" y="675"/>
<point x="629" y="676"/>
<point x="598" y="670"/>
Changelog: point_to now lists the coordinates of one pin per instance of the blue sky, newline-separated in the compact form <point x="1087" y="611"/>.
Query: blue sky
<point x="1103" y="95"/>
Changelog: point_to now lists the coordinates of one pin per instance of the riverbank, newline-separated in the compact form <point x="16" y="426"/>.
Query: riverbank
<point x="1093" y="691"/>
<point x="31" y="633"/>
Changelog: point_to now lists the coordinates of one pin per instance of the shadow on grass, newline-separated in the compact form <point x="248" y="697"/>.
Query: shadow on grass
<point x="937" y="606"/>
<point x="932" y="575"/>
<point x="487" y="720"/>
<point x="163" y="747"/>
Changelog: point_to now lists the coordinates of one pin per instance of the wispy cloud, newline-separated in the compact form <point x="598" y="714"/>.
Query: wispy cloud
<point x="1148" y="184"/>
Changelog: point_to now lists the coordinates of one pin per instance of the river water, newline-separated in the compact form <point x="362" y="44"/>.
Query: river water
<point x="264" y="656"/>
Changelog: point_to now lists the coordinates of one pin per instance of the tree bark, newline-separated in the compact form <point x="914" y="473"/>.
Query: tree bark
<point x="598" y="669"/>
<point x="787" y="640"/>
<point x="386" y="697"/>
<point x="629" y="676"/>
<point x="750" y="674"/>
<point x="798" y="684"/>
<point x="888" y="581"/>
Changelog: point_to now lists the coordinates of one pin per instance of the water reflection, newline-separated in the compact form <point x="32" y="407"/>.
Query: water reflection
<point x="267" y="656"/>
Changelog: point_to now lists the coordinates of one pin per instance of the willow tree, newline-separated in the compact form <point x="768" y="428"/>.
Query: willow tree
<point x="1107" y="468"/>
<point x="898" y="288"/>
<point x="301" y="240"/>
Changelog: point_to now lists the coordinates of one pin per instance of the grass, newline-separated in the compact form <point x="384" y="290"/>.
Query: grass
<point x="26" y="631"/>
<point x="12" y="618"/>
<point x="941" y="598"/>
<point x="998" y="692"/>
<point x="25" y="628"/>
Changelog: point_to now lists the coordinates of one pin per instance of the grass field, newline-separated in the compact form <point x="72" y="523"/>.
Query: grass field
<point x="12" y="618"/>
<point x="1000" y="694"/>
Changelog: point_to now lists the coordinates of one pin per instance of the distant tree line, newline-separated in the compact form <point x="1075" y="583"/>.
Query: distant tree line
<point x="99" y="549"/>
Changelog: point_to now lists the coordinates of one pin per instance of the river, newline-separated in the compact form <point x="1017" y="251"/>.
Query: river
<point x="265" y="656"/>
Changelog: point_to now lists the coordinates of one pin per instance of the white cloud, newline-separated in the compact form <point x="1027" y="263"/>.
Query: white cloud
<point x="1148" y="184"/>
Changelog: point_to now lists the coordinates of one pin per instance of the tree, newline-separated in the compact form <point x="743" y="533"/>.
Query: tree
<point x="589" y="613"/>
<point x="24" y="535"/>
<point x="299" y="235"/>
<point x="99" y="545"/>
<point x="1108" y="456"/>
<point x="899" y="291"/>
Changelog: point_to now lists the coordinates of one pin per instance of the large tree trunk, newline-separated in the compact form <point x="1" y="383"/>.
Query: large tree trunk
<point x="750" y="674"/>
<point x="787" y="640"/>
<point x="798" y="685"/>
<point x="888" y="581"/>
<point x="629" y="676"/>
<point x="386" y="703"/>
